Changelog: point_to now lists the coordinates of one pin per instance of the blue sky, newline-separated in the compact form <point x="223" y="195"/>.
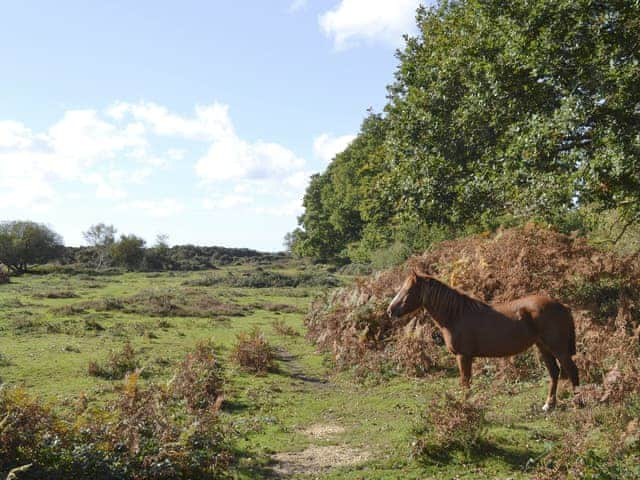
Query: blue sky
<point x="201" y="120"/>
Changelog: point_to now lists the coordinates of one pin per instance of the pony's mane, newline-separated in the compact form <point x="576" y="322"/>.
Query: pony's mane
<point x="447" y="301"/>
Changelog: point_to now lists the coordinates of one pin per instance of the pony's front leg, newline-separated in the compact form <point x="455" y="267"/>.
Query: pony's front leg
<point x="464" y="365"/>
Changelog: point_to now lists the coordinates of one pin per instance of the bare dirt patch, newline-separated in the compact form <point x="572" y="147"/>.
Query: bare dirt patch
<point x="322" y="431"/>
<point x="315" y="459"/>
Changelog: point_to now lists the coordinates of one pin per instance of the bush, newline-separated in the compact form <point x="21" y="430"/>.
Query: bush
<point x="29" y="431"/>
<point x="352" y="324"/>
<point x="24" y="243"/>
<point x="5" y="361"/>
<point x="128" y="251"/>
<point x="260" y="278"/>
<point x="595" y="444"/>
<point x="117" y="366"/>
<point x="253" y="353"/>
<point x="141" y="434"/>
<point x="450" y="424"/>
<point x="416" y="353"/>
<point x="283" y="329"/>
<point x="169" y="303"/>
<point x="199" y="379"/>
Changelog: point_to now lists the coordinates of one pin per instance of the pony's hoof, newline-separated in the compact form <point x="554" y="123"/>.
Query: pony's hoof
<point x="547" y="407"/>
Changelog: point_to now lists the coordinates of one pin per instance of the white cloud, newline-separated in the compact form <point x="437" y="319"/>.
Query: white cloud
<point x="229" y="157"/>
<point x="32" y="192"/>
<point x="167" y="207"/>
<point x="209" y="123"/>
<point x="227" y="201"/>
<point x="81" y="139"/>
<point x="353" y="21"/>
<point x="233" y="158"/>
<point x="298" y="181"/>
<point x="81" y="147"/>
<point x="289" y="208"/>
<point x="326" y="146"/>
<point x="175" y="154"/>
<point x="110" y="151"/>
<point x="105" y="189"/>
<point x="14" y="135"/>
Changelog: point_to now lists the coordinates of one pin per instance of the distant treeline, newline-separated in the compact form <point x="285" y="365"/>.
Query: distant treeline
<point x="499" y="113"/>
<point x="179" y="257"/>
<point x="24" y="244"/>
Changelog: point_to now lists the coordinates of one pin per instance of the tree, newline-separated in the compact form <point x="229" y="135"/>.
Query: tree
<point x="101" y="237"/>
<point x="24" y="243"/>
<point x="525" y="108"/>
<point x="158" y="257"/>
<point x="319" y="238"/>
<point x="340" y="202"/>
<point x="128" y="251"/>
<point x="290" y="240"/>
<point x="499" y="112"/>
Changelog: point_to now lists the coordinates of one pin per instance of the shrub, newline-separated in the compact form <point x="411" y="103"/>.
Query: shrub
<point x="68" y="309"/>
<point x="140" y="434"/>
<point x="278" y="307"/>
<point x="24" y="243"/>
<point x="253" y="353"/>
<point x="56" y="294"/>
<point x="199" y="379"/>
<point x="29" y="431"/>
<point x="5" y="361"/>
<point x="117" y="365"/>
<point x="283" y="329"/>
<point x="259" y="278"/>
<point x="450" y="424"/>
<point x="595" y="443"/>
<point x="169" y="303"/>
<point x="416" y="353"/>
<point x="351" y="322"/>
<point x="143" y="439"/>
<point x="128" y="251"/>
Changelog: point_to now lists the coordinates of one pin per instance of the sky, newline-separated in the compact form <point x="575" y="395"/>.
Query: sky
<point x="200" y="120"/>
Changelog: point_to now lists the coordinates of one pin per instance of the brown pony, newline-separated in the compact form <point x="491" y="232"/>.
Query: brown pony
<point x="473" y="328"/>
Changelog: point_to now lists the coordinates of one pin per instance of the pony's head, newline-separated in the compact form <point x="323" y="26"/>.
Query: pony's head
<point x="409" y="298"/>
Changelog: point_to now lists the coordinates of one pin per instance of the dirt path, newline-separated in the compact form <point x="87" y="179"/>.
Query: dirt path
<point x="329" y="451"/>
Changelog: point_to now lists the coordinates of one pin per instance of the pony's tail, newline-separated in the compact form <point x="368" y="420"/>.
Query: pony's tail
<point x="571" y="347"/>
<point x="572" y="334"/>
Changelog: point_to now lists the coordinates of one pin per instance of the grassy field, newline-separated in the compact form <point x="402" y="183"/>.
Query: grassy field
<point x="302" y="419"/>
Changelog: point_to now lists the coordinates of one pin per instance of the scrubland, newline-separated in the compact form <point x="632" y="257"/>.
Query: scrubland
<point x="287" y="370"/>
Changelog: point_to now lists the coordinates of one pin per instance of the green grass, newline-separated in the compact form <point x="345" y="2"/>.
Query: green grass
<point x="48" y="352"/>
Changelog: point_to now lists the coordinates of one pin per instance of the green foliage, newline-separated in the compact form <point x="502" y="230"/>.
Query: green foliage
<point x="341" y="201"/>
<point x="128" y="251"/>
<point x="157" y="432"/>
<point x="24" y="243"/>
<point x="101" y="237"/>
<point x="199" y="379"/>
<point x="500" y="111"/>
<point x="260" y="278"/>
<point x="161" y="257"/>
<point x="602" y="296"/>
<point x="117" y="366"/>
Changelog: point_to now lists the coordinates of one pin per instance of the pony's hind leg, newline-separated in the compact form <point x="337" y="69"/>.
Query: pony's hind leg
<point x="552" y="367"/>
<point x="464" y="365"/>
<point x="570" y="369"/>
